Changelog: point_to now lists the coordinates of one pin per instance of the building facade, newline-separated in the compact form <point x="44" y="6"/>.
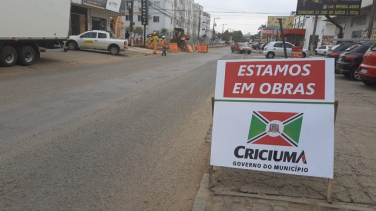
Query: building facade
<point x="354" y="27"/>
<point x="92" y="15"/>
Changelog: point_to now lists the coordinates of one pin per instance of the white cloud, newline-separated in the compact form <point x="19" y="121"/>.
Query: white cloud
<point x="245" y="15"/>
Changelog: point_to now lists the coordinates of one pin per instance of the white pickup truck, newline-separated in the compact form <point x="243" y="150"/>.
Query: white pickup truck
<point x="98" y="40"/>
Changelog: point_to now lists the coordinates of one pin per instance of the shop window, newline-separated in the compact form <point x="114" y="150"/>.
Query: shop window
<point x="155" y="18"/>
<point x="358" y="20"/>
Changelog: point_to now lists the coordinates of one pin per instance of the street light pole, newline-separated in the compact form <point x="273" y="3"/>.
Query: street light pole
<point x="223" y="25"/>
<point x="214" y="26"/>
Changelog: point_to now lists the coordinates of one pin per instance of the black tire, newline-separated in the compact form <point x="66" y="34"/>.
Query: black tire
<point x="8" y="56"/>
<point x="72" y="45"/>
<point x="354" y="75"/>
<point x="249" y="52"/>
<point x="369" y="83"/>
<point x="324" y="53"/>
<point x="315" y="52"/>
<point x="26" y="56"/>
<point x="270" y="55"/>
<point x="347" y="75"/>
<point x="114" y="49"/>
<point x="304" y="55"/>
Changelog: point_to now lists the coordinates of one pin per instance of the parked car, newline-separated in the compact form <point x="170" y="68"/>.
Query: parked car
<point x="240" y="48"/>
<point x="367" y="69"/>
<point x="322" y="50"/>
<point x="276" y="49"/>
<point x="349" y="62"/>
<point x="337" y="51"/>
<point x="344" y="53"/>
<point x="98" y="40"/>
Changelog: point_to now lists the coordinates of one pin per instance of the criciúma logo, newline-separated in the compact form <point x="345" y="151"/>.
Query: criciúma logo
<point x="275" y="128"/>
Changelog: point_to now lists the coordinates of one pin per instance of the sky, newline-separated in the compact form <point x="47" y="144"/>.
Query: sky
<point x="245" y="15"/>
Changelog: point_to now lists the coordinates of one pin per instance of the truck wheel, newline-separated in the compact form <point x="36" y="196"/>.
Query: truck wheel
<point x="72" y="45"/>
<point x="8" y="56"/>
<point x="26" y="56"/>
<point x="249" y="52"/>
<point x="114" y="50"/>
<point x="304" y="55"/>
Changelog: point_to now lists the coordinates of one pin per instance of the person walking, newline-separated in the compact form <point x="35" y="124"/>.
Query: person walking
<point x="164" y="46"/>
<point x="155" y="41"/>
<point x="149" y="41"/>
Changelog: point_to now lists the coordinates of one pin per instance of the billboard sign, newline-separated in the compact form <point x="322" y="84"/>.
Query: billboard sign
<point x="329" y="7"/>
<point x="96" y="3"/>
<point x="287" y="22"/>
<point x="267" y="32"/>
<point x="113" y="5"/>
<point x="144" y="12"/>
<point x="275" y="116"/>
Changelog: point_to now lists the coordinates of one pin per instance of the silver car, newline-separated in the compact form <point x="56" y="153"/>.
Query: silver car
<point x="276" y="49"/>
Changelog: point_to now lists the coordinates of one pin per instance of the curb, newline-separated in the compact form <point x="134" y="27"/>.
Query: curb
<point x="202" y="194"/>
<point x="303" y="201"/>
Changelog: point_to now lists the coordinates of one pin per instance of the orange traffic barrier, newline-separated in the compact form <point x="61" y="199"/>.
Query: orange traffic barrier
<point x="297" y="52"/>
<point x="193" y="47"/>
<point x="203" y="48"/>
<point x="190" y="49"/>
<point x="173" y="47"/>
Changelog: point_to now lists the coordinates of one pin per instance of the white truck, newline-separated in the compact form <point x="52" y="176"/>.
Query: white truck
<point x="25" y="26"/>
<point x="97" y="40"/>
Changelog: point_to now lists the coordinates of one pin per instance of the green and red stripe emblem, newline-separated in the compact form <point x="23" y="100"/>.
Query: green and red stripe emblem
<point x="275" y="128"/>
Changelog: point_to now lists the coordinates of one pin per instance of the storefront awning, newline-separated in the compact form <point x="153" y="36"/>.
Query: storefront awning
<point x="294" y="31"/>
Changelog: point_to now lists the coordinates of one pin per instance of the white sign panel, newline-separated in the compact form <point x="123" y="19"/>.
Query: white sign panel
<point x="275" y="116"/>
<point x="113" y="5"/>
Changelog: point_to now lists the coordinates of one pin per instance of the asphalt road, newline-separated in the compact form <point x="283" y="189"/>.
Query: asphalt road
<point x="91" y="131"/>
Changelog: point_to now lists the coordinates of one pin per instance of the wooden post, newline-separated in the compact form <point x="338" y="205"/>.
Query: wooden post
<point x="330" y="181"/>
<point x="211" y="168"/>
<point x="211" y="176"/>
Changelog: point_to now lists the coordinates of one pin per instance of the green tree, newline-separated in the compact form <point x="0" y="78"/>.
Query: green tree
<point x="237" y="36"/>
<point x="226" y="35"/>
<point x="164" y="31"/>
<point x="138" y="30"/>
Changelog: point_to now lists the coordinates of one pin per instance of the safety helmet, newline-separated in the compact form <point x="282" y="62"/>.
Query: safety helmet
<point x="163" y="37"/>
<point x="154" y="33"/>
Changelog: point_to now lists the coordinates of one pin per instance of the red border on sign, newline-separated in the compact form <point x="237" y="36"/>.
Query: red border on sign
<point x="275" y="80"/>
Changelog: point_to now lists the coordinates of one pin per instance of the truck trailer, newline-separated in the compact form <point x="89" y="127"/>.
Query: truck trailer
<point x="26" y="26"/>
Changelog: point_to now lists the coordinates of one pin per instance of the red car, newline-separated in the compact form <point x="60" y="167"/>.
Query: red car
<point x="367" y="69"/>
<point x="241" y="48"/>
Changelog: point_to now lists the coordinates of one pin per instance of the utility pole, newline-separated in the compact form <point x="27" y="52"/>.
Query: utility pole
<point x="199" y="22"/>
<point x="131" y="22"/>
<point x="372" y="18"/>
<point x="223" y="25"/>
<point x="283" y="37"/>
<point x="131" y="17"/>
<point x="313" y="35"/>
<point x="213" y="27"/>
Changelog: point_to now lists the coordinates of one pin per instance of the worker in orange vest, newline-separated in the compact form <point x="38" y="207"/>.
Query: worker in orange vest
<point x="155" y="41"/>
<point x="164" y="46"/>
<point x="149" y="42"/>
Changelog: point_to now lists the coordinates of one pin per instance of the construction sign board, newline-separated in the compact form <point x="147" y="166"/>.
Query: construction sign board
<point x="275" y="116"/>
<point x="173" y="47"/>
<point x="202" y="48"/>
<point x="297" y="52"/>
